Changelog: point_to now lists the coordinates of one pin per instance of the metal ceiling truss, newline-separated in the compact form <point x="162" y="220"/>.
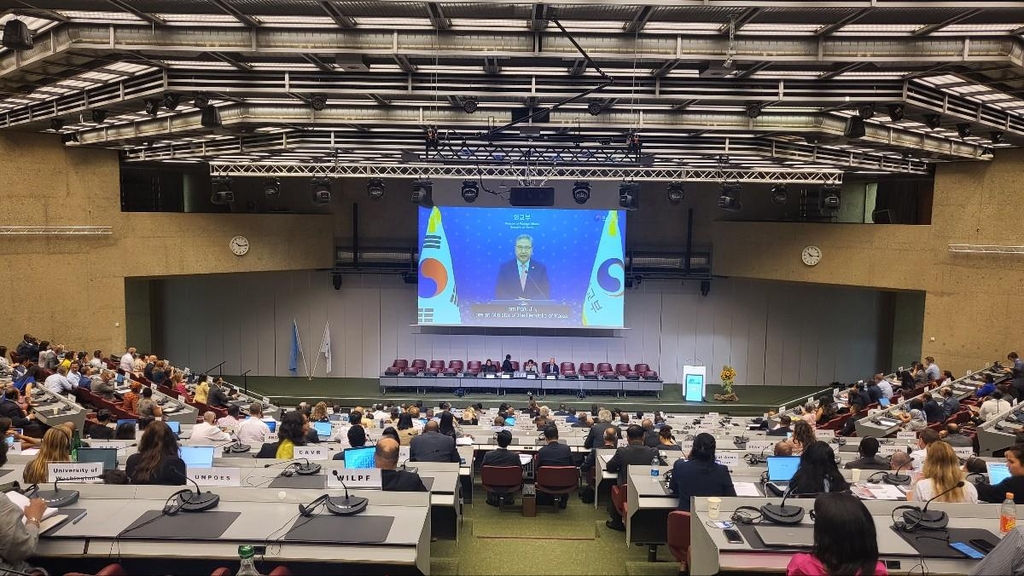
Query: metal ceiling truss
<point x="506" y="172"/>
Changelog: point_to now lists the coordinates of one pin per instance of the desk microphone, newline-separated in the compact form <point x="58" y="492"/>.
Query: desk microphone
<point x="236" y="447"/>
<point x="897" y="479"/>
<point x="188" y="501"/>
<point x="915" y="518"/>
<point x="57" y="498"/>
<point x="348" y="505"/>
<point x="306" y="468"/>
<point x="782" y="514"/>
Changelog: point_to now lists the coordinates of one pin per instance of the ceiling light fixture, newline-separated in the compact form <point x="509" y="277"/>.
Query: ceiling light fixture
<point x="963" y="129"/>
<point x="594" y="108"/>
<point x="200" y="100"/>
<point x="675" y="192"/>
<point x="99" y="116"/>
<point x="866" y="111"/>
<point x="469" y="104"/>
<point x="422" y="193"/>
<point x="321" y="190"/>
<point x="57" y="124"/>
<point x="729" y="200"/>
<point x="271" y="187"/>
<point x="629" y="195"/>
<point x="470" y="191"/>
<point x="222" y="193"/>
<point x="152" y="106"/>
<point x="375" y="188"/>
<point x="997" y="137"/>
<point x="895" y="112"/>
<point x="933" y="121"/>
<point x="581" y="191"/>
<point x="780" y="195"/>
<point x="830" y="199"/>
<point x="753" y="110"/>
<point x="171" y="100"/>
<point x="318" y="102"/>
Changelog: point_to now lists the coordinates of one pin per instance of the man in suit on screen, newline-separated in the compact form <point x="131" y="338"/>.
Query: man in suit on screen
<point x="523" y="278"/>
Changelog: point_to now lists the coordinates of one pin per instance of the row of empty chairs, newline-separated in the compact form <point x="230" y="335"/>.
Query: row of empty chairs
<point x="474" y="367"/>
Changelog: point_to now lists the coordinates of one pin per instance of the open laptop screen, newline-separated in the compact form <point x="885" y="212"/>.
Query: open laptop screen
<point x="108" y="456"/>
<point x="782" y="468"/>
<point x="197" y="456"/>
<point x="323" y="429"/>
<point x="174" y="426"/>
<point x="361" y="457"/>
<point x="997" y="472"/>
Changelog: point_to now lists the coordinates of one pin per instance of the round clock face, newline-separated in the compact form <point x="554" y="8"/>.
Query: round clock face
<point x="239" y="245"/>
<point x="811" y="255"/>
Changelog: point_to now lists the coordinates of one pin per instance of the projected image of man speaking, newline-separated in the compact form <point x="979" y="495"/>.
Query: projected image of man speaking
<point x="523" y="278"/>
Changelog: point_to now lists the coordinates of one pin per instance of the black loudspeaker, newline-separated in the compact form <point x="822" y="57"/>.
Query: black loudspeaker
<point x="17" y="36"/>
<point x="211" y="118"/>
<point x="855" y="127"/>
<point x="531" y="196"/>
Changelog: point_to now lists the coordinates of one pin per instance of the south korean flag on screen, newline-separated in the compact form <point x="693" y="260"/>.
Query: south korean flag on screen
<point x="602" y="304"/>
<point x="438" y="300"/>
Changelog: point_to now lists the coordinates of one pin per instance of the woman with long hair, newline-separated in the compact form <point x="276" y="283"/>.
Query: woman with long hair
<point x="447" y="425"/>
<point x="157" y="460"/>
<point x="665" y="439"/>
<point x="818" y="471"/>
<point x="319" y="413"/>
<point x="845" y="541"/>
<point x="293" y="431"/>
<point x="469" y="417"/>
<point x="942" y="472"/>
<point x="56" y="447"/>
<point x="803" y="436"/>
<point x="406" y="430"/>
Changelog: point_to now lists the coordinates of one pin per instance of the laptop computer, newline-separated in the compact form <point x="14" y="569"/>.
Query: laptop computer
<point x="174" y="426"/>
<point x="323" y="429"/>
<point x="780" y="471"/>
<point x="108" y="456"/>
<point x="197" y="456"/>
<point x="786" y="536"/>
<point x="883" y="402"/>
<point x="997" y="472"/>
<point x="361" y="457"/>
<point x="131" y="421"/>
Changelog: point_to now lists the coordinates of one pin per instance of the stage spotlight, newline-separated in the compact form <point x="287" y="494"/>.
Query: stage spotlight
<point x="469" y="104"/>
<point x="57" y="124"/>
<point x="963" y="129"/>
<point x="855" y="127"/>
<point x="17" y="35"/>
<point x="375" y="188"/>
<point x="933" y="121"/>
<point x="866" y="111"/>
<point x="629" y="195"/>
<point x="594" y="108"/>
<point x="210" y="117"/>
<point x="997" y="137"/>
<point x="271" y="187"/>
<point x="171" y="100"/>
<point x="422" y="193"/>
<point x="895" y="112"/>
<point x="779" y="194"/>
<point x="830" y="199"/>
<point x="675" y="192"/>
<point x="200" y="100"/>
<point x="730" y="197"/>
<point x="222" y="193"/>
<point x="152" y="106"/>
<point x="318" y="102"/>
<point x="99" y="116"/>
<point x="470" y="190"/>
<point x="753" y="110"/>
<point x="321" y="190"/>
<point x="581" y="191"/>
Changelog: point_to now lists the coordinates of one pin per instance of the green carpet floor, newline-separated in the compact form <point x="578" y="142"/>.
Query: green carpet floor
<point x="573" y="541"/>
<point x="754" y="400"/>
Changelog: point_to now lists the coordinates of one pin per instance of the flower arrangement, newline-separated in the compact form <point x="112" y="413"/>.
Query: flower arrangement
<point x="728" y="376"/>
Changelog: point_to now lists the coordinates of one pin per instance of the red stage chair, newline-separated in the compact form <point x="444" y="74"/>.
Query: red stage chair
<point x="400" y="363"/>
<point x="473" y="366"/>
<point x="641" y="368"/>
<point x="502" y="479"/>
<point x="586" y="367"/>
<point x="604" y="368"/>
<point x="557" y="480"/>
<point x="456" y="365"/>
<point x="419" y="364"/>
<point x="619" y="500"/>
<point x="621" y="369"/>
<point x="567" y="366"/>
<point x="439" y="364"/>
<point x="679" y="537"/>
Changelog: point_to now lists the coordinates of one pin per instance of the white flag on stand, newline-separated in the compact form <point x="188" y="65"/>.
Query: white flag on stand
<point x="325" y="346"/>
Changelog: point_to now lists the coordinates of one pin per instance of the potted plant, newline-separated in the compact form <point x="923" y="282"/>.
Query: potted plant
<point x="728" y="376"/>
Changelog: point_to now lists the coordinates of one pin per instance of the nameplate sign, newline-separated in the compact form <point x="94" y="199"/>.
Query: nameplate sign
<point x="506" y="375"/>
<point x="730" y="460"/>
<point x="115" y="445"/>
<point x="216" y="476"/>
<point x="403" y="454"/>
<point x="66" y="471"/>
<point x="14" y="448"/>
<point x="368" y="478"/>
<point x="963" y="451"/>
<point x="889" y="450"/>
<point x="549" y="377"/>
<point x="759" y="445"/>
<point x="311" y="452"/>
<point x="825" y="434"/>
<point x="686" y="446"/>
<point x="489" y="376"/>
<point x="906" y="435"/>
<point x="71" y="397"/>
<point x="622" y="443"/>
<point x="272" y="437"/>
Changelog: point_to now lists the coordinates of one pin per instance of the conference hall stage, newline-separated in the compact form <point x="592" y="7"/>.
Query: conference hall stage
<point x="753" y="400"/>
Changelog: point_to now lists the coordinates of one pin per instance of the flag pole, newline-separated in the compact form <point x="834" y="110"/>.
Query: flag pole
<point x="301" y="353"/>
<point x="316" y="362"/>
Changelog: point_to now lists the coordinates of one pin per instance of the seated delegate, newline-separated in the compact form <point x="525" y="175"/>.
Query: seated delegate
<point x="845" y="540"/>
<point x="869" y="459"/>
<point x="1015" y="483"/>
<point x="818" y="472"/>
<point x="700" y="475"/>
<point x="157" y="461"/>
<point x="385" y="457"/>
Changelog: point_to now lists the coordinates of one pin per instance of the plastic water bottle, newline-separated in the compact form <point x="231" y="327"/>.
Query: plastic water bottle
<point x="655" y="470"/>
<point x="247" y="567"/>
<point x="1007" y="515"/>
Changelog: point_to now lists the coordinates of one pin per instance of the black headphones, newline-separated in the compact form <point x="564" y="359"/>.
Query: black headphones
<point x="175" y="502"/>
<point x="746" y="515"/>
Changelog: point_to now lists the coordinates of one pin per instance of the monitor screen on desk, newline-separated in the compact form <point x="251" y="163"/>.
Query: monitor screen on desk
<point x="131" y="421"/>
<point x="521" y="267"/>
<point x="323" y="429"/>
<point x="997" y="472"/>
<point x="108" y="456"/>
<point x="197" y="456"/>
<point x="174" y="426"/>
<point x="782" y="468"/>
<point x="361" y="457"/>
<point x="271" y="424"/>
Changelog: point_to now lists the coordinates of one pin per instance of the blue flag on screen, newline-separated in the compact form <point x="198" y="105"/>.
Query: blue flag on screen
<point x="602" y="304"/>
<point x="439" y="302"/>
<point x="293" y="356"/>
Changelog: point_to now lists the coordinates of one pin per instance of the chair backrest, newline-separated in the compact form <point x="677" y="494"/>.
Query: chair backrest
<point x="557" y="477"/>
<point x="621" y="368"/>
<point x="474" y="364"/>
<point x="515" y="365"/>
<point x="456" y="364"/>
<point x="619" y="498"/>
<point x="586" y="366"/>
<point x="439" y="364"/>
<point x="567" y="366"/>
<point x="641" y="368"/>
<point x="419" y="364"/>
<point x="678" y="535"/>
<point x="604" y="367"/>
<point x="400" y="363"/>
<point x="504" y="478"/>
<point x="650" y="374"/>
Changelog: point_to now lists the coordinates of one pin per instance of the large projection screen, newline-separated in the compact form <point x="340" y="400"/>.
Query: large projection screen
<point x="521" y="267"/>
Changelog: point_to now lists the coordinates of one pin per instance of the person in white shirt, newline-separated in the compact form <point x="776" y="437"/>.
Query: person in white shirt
<point x="932" y="369"/>
<point x="58" y="383"/>
<point x="253" y="430"/>
<point x="990" y="408"/>
<point x="925" y="438"/>
<point x="74" y="376"/>
<point x="206" y="432"/>
<point x="97" y="360"/>
<point x="128" y="361"/>
<point x="884" y="386"/>
<point x="231" y="420"/>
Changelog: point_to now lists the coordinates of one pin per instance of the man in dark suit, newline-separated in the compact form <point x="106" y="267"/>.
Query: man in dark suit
<point x="506" y="365"/>
<point x="523" y="278"/>
<point x="554" y="454"/>
<point x="783" y="428"/>
<point x="868" y="457"/>
<point x="385" y="457"/>
<point x="501" y="457"/>
<point x="432" y="446"/>
<point x="634" y="453"/>
<point x="597" y="430"/>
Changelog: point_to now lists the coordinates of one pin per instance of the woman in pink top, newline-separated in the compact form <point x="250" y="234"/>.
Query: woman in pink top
<point x="845" y="542"/>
